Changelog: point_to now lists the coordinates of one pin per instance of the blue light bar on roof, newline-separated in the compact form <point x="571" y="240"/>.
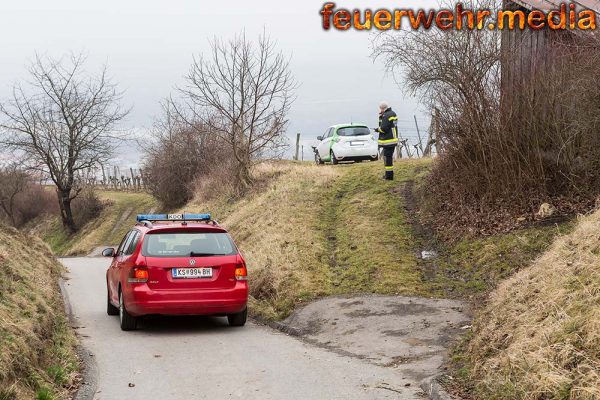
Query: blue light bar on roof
<point x="173" y="217"/>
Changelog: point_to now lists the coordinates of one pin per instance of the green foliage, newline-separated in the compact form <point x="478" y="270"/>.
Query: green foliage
<point x="44" y="393"/>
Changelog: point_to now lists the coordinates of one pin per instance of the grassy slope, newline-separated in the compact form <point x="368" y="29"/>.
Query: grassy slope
<point x="313" y="231"/>
<point x="370" y="243"/>
<point x="109" y="228"/>
<point x="539" y="336"/>
<point x="310" y="231"/>
<point x="37" y="358"/>
<point x="473" y="266"/>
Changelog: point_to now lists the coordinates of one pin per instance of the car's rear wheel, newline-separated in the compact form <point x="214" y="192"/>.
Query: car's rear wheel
<point x="334" y="160"/>
<point x="238" y="319"/>
<point x="128" y="322"/>
<point x="110" y="309"/>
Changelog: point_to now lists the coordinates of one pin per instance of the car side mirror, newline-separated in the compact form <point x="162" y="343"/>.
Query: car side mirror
<point x="110" y="252"/>
<point x="319" y="137"/>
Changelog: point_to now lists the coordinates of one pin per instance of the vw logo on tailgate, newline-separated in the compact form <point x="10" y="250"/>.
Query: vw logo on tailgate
<point x="192" y="262"/>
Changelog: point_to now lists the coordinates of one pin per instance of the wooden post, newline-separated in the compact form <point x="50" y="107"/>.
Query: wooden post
<point x="297" y="146"/>
<point x="142" y="181"/>
<point x="419" y="136"/>
<point x="436" y="132"/>
<point x="103" y="175"/>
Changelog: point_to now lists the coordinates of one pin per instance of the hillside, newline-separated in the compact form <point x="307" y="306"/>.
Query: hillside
<point x="309" y="231"/>
<point x="116" y="218"/>
<point x="37" y="357"/>
<point x="539" y="336"/>
<point x="314" y="231"/>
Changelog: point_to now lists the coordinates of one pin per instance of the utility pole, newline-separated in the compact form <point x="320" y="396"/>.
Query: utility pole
<point x="297" y="146"/>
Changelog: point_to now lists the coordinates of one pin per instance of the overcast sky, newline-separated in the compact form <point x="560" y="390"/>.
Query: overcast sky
<point x="148" y="46"/>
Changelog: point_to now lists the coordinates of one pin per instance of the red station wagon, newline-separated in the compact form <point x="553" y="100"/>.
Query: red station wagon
<point x="176" y="264"/>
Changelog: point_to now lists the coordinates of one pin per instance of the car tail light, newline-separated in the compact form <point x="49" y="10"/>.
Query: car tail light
<point x="241" y="273"/>
<point x="138" y="275"/>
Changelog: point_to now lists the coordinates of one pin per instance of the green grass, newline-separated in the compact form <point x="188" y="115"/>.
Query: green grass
<point x="370" y="245"/>
<point x="44" y="394"/>
<point x="476" y="265"/>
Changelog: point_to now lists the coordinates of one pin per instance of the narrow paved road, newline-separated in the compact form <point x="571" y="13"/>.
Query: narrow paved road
<point x="203" y="358"/>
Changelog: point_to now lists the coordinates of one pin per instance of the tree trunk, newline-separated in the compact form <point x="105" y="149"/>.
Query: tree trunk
<point x="66" y="214"/>
<point x="243" y="178"/>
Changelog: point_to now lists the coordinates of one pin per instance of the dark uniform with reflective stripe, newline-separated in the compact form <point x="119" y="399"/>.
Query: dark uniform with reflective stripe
<point x="388" y="139"/>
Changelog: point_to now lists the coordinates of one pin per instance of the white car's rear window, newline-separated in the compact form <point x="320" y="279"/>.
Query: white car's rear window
<point x="354" y="131"/>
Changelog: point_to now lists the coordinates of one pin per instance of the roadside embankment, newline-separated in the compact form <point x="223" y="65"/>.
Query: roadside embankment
<point x="37" y="345"/>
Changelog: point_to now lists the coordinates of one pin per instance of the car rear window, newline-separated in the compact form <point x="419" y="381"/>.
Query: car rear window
<point x="185" y="244"/>
<point x="354" y="131"/>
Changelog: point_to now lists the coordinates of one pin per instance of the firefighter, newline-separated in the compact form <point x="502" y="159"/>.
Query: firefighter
<point x="388" y="137"/>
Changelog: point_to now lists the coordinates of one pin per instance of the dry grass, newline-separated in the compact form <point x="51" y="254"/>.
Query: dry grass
<point x="539" y="336"/>
<point x="309" y="231"/>
<point x="116" y="218"/>
<point x="36" y="344"/>
<point x="275" y="229"/>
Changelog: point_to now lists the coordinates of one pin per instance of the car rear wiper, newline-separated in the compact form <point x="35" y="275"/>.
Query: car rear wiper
<point x="193" y="254"/>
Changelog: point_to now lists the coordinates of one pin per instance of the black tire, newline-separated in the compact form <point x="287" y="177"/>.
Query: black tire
<point x="334" y="160"/>
<point x="238" y="319"/>
<point x="110" y="309"/>
<point x="128" y="322"/>
<point x="318" y="160"/>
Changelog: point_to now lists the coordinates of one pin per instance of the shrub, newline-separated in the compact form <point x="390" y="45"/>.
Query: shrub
<point x="178" y="157"/>
<point x="86" y="206"/>
<point x="21" y="199"/>
<point x="509" y="137"/>
<point x="37" y="200"/>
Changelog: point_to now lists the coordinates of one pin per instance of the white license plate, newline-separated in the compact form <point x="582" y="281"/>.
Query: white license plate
<point x="357" y="143"/>
<point x="192" y="273"/>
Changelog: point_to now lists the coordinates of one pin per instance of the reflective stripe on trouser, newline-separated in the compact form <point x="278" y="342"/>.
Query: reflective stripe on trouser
<point x="388" y="160"/>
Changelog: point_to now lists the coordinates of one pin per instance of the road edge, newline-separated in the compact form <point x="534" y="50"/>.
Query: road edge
<point x="434" y="390"/>
<point x="430" y="386"/>
<point x="89" y="372"/>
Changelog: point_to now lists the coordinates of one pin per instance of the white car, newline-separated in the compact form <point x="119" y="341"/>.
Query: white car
<point x="346" y="142"/>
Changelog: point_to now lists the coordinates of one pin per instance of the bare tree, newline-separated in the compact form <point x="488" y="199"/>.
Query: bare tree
<point x="242" y="92"/>
<point x="508" y="144"/>
<point x="13" y="182"/>
<point x="62" y="122"/>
